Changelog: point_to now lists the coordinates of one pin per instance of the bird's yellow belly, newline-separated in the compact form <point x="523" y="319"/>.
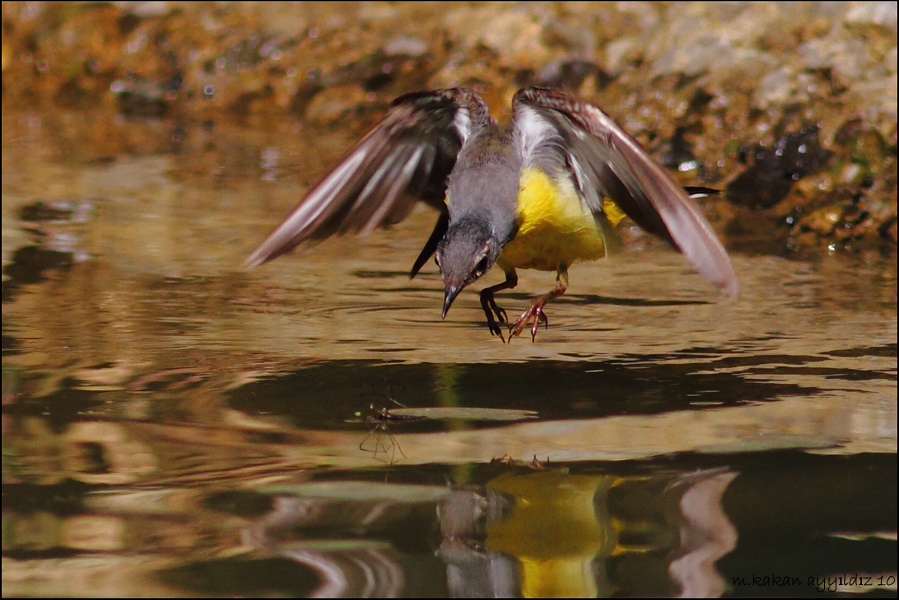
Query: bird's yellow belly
<point x="555" y="230"/>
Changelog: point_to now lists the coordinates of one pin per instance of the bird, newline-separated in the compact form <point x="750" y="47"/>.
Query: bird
<point x="542" y="192"/>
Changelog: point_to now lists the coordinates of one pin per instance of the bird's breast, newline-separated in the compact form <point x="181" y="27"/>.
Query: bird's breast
<point x="555" y="227"/>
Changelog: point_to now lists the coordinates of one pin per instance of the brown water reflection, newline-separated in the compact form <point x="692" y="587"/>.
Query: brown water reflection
<point x="176" y="425"/>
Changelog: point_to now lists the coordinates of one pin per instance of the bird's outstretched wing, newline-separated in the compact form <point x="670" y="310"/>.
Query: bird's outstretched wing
<point x="406" y="157"/>
<point x="553" y="128"/>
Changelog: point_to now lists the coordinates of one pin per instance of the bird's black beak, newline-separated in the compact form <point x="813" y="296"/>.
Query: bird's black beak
<point x="451" y="292"/>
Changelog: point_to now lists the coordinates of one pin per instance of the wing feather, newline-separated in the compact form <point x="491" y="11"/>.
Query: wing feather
<point x="606" y="161"/>
<point x="405" y="158"/>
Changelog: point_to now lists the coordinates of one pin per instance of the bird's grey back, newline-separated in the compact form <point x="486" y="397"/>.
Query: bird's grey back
<point x="484" y="182"/>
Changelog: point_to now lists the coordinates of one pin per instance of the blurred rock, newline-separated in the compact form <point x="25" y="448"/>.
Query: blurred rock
<point x="776" y="169"/>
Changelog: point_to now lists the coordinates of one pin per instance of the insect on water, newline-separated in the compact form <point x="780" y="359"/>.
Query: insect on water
<point x="374" y="442"/>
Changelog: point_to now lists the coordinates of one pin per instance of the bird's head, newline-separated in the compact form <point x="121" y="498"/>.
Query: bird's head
<point x="466" y="252"/>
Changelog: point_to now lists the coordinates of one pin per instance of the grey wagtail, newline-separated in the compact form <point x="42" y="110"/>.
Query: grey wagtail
<point x="540" y="193"/>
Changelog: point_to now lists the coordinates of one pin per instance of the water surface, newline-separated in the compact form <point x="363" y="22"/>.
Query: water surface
<point x="177" y="425"/>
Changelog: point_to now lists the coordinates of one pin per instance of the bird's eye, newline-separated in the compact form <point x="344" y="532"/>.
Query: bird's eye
<point x="481" y="267"/>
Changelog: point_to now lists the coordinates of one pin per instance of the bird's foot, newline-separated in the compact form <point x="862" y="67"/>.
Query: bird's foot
<point x="495" y="315"/>
<point x="533" y="313"/>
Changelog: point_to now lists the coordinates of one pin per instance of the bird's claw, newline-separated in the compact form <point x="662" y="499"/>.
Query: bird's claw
<point x="534" y="312"/>
<point x="494" y="328"/>
<point x="497" y="310"/>
<point x="495" y="315"/>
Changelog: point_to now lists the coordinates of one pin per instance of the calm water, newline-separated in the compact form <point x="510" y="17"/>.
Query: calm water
<point x="176" y="425"/>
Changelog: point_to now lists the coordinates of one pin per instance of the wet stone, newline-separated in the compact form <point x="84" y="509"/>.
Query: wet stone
<point x="776" y="169"/>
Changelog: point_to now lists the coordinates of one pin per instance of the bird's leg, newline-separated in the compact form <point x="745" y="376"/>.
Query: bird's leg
<point x="491" y="310"/>
<point x="535" y="310"/>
